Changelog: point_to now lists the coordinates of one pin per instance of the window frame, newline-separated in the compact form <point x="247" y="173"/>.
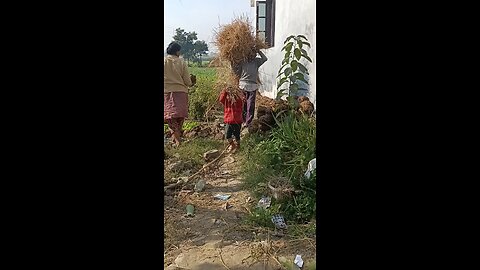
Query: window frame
<point x="269" y="20"/>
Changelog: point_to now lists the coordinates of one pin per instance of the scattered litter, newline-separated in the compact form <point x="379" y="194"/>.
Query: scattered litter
<point x="177" y="155"/>
<point x="298" y="261"/>
<point x="279" y="222"/>
<point x="264" y="202"/>
<point x="312" y="165"/>
<point x="222" y="197"/>
<point x="249" y="199"/>
<point x="199" y="186"/>
<point x="190" y="210"/>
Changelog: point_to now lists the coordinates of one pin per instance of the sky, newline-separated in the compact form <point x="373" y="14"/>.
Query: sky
<point x="202" y="17"/>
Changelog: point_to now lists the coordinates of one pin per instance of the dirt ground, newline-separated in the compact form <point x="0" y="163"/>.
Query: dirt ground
<point x="217" y="237"/>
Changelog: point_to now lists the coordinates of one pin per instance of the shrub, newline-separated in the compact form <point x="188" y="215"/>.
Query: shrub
<point x="285" y="152"/>
<point x="203" y="95"/>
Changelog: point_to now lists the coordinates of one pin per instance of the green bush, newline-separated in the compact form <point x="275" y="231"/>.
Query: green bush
<point x="285" y="152"/>
<point x="203" y="95"/>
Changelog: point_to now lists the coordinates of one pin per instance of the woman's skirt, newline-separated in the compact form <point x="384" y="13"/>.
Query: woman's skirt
<point x="175" y="105"/>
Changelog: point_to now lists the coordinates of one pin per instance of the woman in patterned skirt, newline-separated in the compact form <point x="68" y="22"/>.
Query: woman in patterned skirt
<point x="176" y="80"/>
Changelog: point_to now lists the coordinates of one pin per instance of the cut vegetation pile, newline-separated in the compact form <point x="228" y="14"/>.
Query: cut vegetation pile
<point x="268" y="109"/>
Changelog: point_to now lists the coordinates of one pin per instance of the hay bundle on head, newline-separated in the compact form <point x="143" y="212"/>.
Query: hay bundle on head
<point x="237" y="41"/>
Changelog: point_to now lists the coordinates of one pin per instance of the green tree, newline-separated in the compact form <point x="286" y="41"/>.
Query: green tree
<point x="192" y="48"/>
<point x="292" y="71"/>
<point x="199" y="48"/>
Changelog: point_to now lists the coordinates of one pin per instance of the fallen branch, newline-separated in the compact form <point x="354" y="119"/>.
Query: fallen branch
<point x="207" y="165"/>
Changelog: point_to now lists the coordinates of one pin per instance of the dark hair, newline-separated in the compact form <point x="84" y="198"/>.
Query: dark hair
<point x="173" y="48"/>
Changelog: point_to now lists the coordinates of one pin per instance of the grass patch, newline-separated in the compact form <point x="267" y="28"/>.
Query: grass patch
<point x="203" y="71"/>
<point x="192" y="153"/>
<point x="203" y="95"/>
<point x="286" y="151"/>
<point x="187" y="126"/>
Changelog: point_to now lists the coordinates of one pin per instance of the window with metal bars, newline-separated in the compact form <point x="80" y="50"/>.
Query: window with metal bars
<point x="265" y="23"/>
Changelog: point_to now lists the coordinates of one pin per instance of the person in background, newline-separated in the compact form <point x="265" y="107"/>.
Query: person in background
<point x="232" y="99"/>
<point x="247" y="72"/>
<point x="176" y="80"/>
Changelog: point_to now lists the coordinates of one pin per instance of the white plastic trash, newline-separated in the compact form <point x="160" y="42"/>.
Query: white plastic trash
<point x="298" y="261"/>
<point x="312" y="165"/>
<point x="279" y="222"/>
<point x="264" y="202"/>
<point x="222" y="197"/>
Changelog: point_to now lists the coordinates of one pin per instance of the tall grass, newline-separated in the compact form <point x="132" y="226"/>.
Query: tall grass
<point x="285" y="152"/>
<point x="203" y="95"/>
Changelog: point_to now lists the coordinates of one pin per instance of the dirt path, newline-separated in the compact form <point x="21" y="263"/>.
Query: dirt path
<point x="216" y="237"/>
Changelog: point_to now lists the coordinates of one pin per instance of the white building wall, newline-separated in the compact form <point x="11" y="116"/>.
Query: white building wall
<point x="291" y="18"/>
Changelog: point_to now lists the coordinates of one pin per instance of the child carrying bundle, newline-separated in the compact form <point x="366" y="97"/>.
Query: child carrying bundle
<point x="232" y="99"/>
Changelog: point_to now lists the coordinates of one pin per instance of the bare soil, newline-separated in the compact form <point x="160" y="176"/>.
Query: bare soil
<point x="217" y="236"/>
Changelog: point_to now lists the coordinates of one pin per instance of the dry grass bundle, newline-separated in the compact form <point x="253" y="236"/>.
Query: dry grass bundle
<point x="225" y="77"/>
<point x="237" y="41"/>
<point x="233" y="94"/>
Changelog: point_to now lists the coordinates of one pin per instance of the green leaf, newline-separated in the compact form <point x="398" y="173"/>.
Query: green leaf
<point x="284" y="65"/>
<point x="297" y="53"/>
<point x="292" y="79"/>
<point x="304" y="52"/>
<point x="287" y="71"/>
<point x="281" y="93"/>
<point x="301" y="77"/>
<point x="308" y="58"/>
<point x="303" y="80"/>
<point x="306" y="43"/>
<point x="288" y="38"/>
<point x="302" y="68"/>
<point x="281" y="82"/>
<point x="302" y="36"/>
<point x="284" y="61"/>
<point x="300" y="43"/>
<point x="294" y="65"/>
<point x="289" y="46"/>
<point x="287" y="55"/>
<point x="293" y="89"/>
